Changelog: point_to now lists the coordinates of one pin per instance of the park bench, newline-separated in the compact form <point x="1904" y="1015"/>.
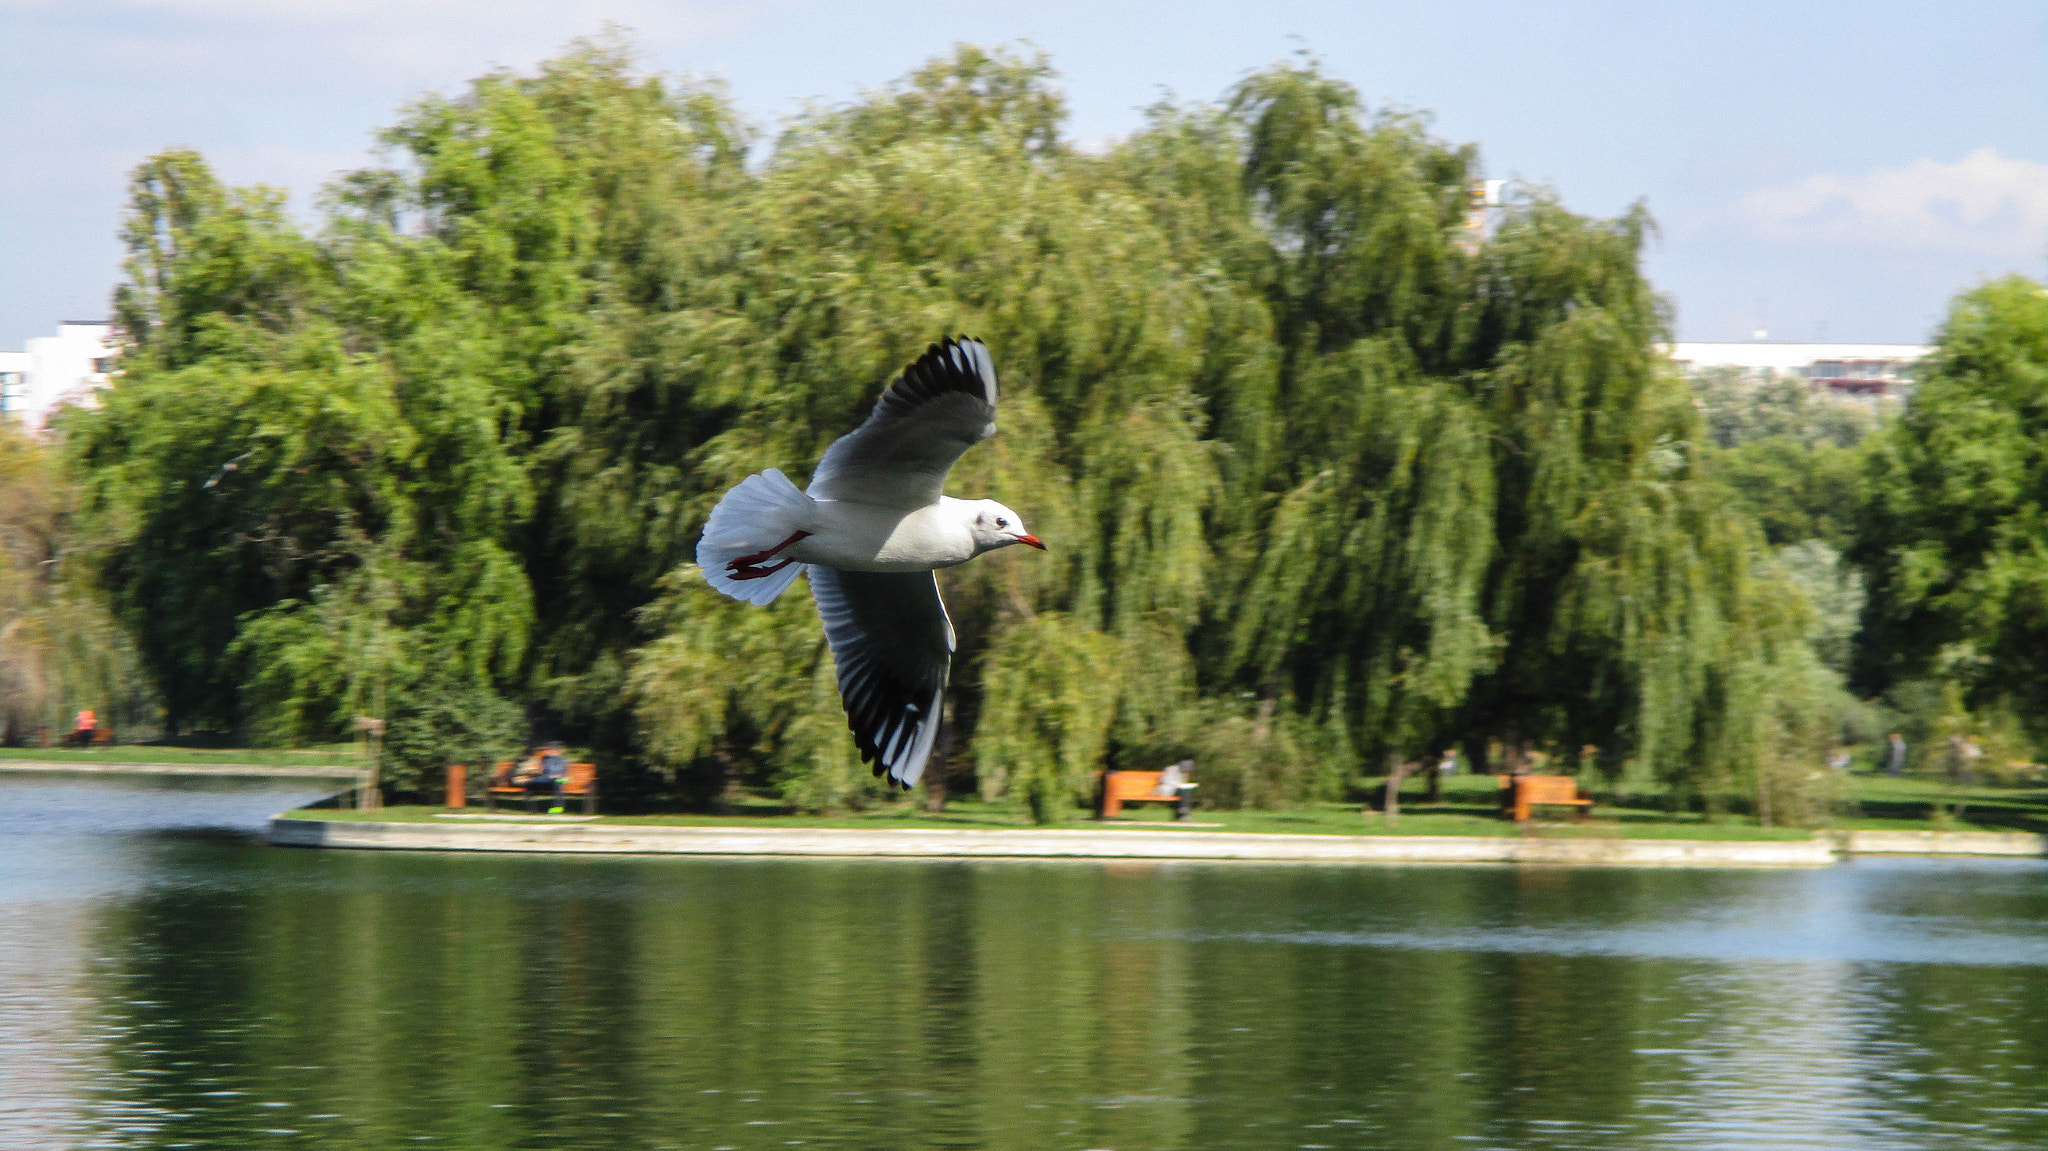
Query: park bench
<point x="1519" y="793"/>
<point x="101" y="735"/>
<point x="1121" y="787"/>
<point x="580" y="783"/>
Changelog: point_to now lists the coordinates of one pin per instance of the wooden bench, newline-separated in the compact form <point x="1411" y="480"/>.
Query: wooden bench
<point x="1121" y="787"/>
<point x="580" y="783"/>
<point x="1519" y="793"/>
<point x="99" y="735"/>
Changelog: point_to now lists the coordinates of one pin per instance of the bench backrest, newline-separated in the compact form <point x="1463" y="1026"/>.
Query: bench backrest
<point x="1132" y="784"/>
<point x="581" y="778"/>
<point x="1549" y="788"/>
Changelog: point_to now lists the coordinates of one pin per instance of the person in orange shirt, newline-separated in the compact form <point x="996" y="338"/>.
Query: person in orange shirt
<point x="81" y="734"/>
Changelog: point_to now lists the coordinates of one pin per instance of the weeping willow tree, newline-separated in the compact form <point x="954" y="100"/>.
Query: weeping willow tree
<point x="60" y="651"/>
<point x="302" y="496"/>
<point x="946" y="205"/>
<point x="1331" y="478"/>
<point x="1464" y="503"/>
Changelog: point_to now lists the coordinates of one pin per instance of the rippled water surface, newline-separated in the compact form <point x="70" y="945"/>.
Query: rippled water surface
<point x="167" y="981"/>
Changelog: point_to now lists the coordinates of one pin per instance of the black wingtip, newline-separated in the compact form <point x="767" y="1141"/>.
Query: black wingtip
<point x="955" y="364"/>
<point x="870" y="752"/>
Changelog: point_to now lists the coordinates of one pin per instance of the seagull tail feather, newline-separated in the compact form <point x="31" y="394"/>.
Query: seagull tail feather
<point x="759" y="512"/>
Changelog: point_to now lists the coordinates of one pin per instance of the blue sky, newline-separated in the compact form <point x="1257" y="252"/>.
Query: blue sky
<point x="1829" y="170"/>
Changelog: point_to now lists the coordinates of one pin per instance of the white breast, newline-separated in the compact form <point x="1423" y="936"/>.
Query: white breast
<point x="864" y="537"/>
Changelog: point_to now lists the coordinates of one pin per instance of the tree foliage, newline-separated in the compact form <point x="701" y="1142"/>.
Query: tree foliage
<point x="1327" y="483"/>
<point x="1793" y="459"/>
<point x="1954" y="543"/>
<point x="60" y="650"/>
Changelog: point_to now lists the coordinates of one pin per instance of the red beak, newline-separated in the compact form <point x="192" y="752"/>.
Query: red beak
<point x="1034" y="541"/>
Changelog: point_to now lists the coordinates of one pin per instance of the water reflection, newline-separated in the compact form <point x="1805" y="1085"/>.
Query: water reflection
<point x="69" y="847"/>
<point x="206" y="991"/>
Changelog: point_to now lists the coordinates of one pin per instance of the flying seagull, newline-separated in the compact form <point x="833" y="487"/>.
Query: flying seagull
<point x="870" y="532"/>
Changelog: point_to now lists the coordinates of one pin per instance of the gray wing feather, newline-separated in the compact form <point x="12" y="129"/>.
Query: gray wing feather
<point x="892" y="646"/>
<point x="939" y="407"/>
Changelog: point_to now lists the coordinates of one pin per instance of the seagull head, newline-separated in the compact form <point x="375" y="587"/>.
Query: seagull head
<point x="996" y="526"/>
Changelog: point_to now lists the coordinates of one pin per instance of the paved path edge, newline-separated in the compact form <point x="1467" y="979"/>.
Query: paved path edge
<point x="1053" y="843"/>
<point x="1942" y="843"/>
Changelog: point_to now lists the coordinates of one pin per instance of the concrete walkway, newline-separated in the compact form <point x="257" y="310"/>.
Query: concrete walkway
<point x="1943" y="843"/>
<point x="1061" y="843"/>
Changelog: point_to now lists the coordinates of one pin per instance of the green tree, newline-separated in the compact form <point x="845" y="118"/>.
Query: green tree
<point x="1796" y="491"/>
<point x="1327" y="482"/>
<point x="1951" y="544"/>
<point x="1739" y="410"/>
<point x="1464" y="496"/>
<point x="60" y="651"/>
<point x="297" y="510"/>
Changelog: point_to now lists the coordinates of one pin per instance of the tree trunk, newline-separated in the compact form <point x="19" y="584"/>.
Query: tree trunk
<point x="1478" y="759"/>
<point x="1262" y="722"/>
<point x="1435" y="777"/>
<point x="1391" y="805"/>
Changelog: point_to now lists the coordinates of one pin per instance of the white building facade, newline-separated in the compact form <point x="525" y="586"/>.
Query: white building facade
<point x="53" y="371"/>
<point x="1868" y="372"/>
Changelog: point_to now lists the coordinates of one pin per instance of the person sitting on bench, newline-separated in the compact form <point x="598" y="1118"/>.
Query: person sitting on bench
<point x="1174" y="782"/>
<point x="526" y="772"/>
<point x="554" y="772"/>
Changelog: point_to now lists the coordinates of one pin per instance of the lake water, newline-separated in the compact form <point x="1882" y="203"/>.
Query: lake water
<point x="168" y="981"/>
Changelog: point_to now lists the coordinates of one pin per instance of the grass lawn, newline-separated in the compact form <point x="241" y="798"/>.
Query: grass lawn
<point x="1467" y="810"/>
<point x="331" y="755"/>
<point x="1911" y="803"/>
<point x="1874" y="802"/>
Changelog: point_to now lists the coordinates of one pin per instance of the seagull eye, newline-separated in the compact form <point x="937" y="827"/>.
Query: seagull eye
<point x="1001" y="522"/>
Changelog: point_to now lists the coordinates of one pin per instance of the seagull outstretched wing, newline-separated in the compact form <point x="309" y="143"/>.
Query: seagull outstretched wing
<point x="893" y="646"/>
<point x="939" y="407"/>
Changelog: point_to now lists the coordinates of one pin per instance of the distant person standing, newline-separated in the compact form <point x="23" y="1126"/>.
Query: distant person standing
<point x="82" y="731"/>
<point x="1895" y="755"/>
<point x="1963" y="754"/>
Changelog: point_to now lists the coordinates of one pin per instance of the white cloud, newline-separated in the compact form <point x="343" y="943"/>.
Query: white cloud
<point x="1983" y="204"/>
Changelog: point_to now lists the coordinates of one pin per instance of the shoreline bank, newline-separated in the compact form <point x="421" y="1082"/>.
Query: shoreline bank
<point x="2009" y="843"/>
<point x="579" y="837"/>
<point x="1058" y="843"/>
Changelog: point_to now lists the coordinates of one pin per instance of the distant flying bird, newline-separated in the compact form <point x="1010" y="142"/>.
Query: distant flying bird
<point x="232" y="465"/>
<point x="870" y="532"/>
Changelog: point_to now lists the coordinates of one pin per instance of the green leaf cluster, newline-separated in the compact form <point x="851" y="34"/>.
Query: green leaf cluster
<point x="1954" y="539"/>
<point x="60" y="649"/>
<point x="1332" y="478"/>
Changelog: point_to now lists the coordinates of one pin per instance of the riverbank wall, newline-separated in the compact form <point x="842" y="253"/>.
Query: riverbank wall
<point x="1054" y="843"/>
<point x="1942" y="843"/>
